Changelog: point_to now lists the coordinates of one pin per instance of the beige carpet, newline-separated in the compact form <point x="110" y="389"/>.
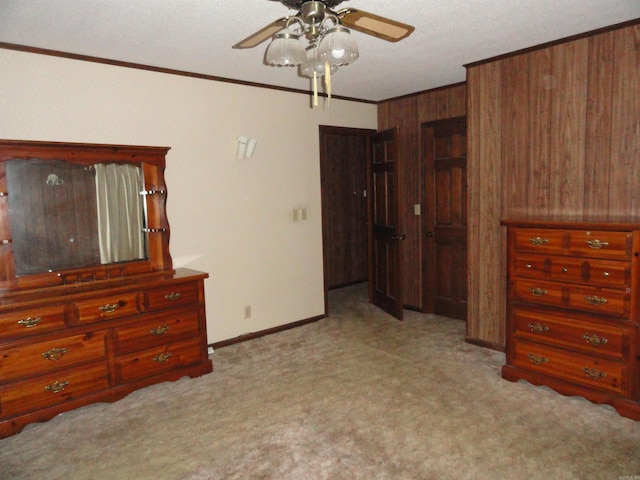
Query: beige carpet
<point x="356" y="395"/>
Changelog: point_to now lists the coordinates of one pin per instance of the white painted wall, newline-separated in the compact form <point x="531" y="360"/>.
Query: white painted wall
<point x="230" y="218"/>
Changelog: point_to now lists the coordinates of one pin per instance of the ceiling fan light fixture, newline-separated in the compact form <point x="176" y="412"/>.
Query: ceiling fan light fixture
<point x="338" y="47"/>
<point x="285" y="50"/>
<point x="314" y="64"/>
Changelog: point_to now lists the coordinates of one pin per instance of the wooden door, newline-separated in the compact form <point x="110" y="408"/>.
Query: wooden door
<point x="385" y="235"/>
<point x="445" y="155"/>
<point x="343" y="180"/>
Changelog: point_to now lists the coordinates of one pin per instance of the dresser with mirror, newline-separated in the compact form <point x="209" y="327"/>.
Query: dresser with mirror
<point x="91" y="307"/>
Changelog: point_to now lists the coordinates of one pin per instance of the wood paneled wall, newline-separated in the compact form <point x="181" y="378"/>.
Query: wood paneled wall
<point x="409" y="113"/>
<point x="552" y="132"/>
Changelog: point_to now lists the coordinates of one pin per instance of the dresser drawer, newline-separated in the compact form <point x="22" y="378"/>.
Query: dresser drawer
<point x="157" y="331"/>
<point x="588" y="336"/>
<point x="606" y="273"/>
<point x="538" y="291"/>
<point x="31" y="321"/>
<point x="53" y="389"/>
<point x="584" y="298"/>
<point x="539" y="240"/>
<point x="33" y="358"/>
<point x="171" y="296"/>
<point x="157" y="360"/>
<point x="601" y="244"/>
<point x="600" y="300"/>
<point x="108" y="307"/>
<point x="573" y="367"/>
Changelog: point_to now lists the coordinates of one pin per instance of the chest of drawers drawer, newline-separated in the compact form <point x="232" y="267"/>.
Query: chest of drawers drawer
<point x="107" y="307"/>
<point x="605" y="273"/>
<point x="580" y="243"/>
<point x="157" y="359"/>
<point x="587" y="336"/>
<point x="34" y="358"/>
<point x="593" y="372"/>
<point x="157" y="331"/>
<point x="171" y="296"/>
<point x="33" y="321"/>
<point x="53" y="389"/>
<point x="606" y="301"/>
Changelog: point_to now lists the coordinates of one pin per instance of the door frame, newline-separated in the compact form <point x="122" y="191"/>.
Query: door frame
<point x="346" y="131"/>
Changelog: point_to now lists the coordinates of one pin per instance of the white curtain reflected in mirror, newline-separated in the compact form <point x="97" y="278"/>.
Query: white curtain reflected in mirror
<point x="120" y="212"/>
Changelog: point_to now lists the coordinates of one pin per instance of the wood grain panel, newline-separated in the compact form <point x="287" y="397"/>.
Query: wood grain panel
<point x="568" y="127"/>
<point x="515" y="145"/>
<point x="475" y="77"/>
<point x="486" y="290"/>
<point x="597" y="160"/>
<point x="624" y="192"/>
<point x="541" y="85"/>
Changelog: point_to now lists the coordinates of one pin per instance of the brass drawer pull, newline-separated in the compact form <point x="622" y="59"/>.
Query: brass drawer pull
<point x="539" y="292"/>
<point x="529" y="266"/>
<point x="595" y="339"/>
<point x="57" y="386"/>
<point x="54" y="354"/>
<point x="162" y="357"/>
<point x="172" y="296"/>
<point x="538" y="241"/>
<point x="160" y="330"/>
<point x="597" y="244"/>
<point x="30" y="321"/>
<point x="538" y="328"/>
<point x="595" y="374"/>
<point x="109" y="307"/>
<point x="605" y="274"/>
<point x="593" y="300"/>
<point x="537" y="359"/>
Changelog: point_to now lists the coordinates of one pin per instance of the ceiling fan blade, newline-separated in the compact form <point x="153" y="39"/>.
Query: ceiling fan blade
<point x="375" y="25"/>
<point x="263" y="34"/>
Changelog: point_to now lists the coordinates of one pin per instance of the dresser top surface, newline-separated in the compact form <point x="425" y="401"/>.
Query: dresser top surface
<point x="574" y="222"/>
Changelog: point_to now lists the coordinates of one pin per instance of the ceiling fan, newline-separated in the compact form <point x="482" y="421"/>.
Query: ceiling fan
<point x="314" y="12"/>
<point x="330" y="44"/>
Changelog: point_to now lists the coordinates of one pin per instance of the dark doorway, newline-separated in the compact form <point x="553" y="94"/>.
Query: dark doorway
<point x="343" y="177"/>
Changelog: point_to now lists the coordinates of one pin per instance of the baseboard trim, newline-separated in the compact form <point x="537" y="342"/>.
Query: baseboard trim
<point x="485" y="344"/>
<point x="264" y="333"/>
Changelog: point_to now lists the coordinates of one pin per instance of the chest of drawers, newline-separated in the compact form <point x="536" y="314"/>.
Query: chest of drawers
<point x="572" y="313"/>
<point x="62" y="348"/>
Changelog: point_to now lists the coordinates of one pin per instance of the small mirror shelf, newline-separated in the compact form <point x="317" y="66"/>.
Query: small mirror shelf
<point x="72" y="213"/>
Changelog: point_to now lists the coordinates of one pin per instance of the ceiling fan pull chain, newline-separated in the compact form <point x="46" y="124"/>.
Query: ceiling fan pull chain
<point x="327" y="81"/>
<point x="315" y="88"/>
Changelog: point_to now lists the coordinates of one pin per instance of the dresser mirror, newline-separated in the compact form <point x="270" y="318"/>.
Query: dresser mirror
<point x="63" y="215"/>
<point x="73" y="213"/>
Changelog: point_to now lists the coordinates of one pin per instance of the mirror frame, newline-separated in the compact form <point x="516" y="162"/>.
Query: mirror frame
<point x="153" y="161"/>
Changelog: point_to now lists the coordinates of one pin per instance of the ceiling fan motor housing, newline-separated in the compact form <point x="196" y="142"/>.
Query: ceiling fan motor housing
<point x="297" y="4"/>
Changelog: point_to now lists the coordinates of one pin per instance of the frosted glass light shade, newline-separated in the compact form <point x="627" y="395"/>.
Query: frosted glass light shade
<point x="285" y="50"/>
<point x="312" y="62"/>
<point x="338" y="47"/>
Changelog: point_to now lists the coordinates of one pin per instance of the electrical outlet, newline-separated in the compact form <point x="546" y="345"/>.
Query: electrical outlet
<point x="247" y="311"/>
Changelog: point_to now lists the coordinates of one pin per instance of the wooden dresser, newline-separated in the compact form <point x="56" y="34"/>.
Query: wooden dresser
<point x="70" y="346"/>
<point x="91" y="308"/>
<point x="573" y="309"/>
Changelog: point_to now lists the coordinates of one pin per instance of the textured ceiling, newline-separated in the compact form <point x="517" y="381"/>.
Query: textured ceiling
<point x="197" y="35"/>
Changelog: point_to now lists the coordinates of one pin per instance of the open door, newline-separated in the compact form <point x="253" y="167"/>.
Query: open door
<point x="385" y="229"/>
